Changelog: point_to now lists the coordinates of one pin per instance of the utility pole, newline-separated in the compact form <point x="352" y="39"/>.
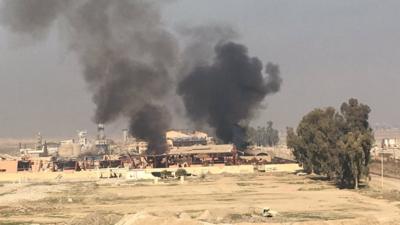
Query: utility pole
<point x="382" y="169"/>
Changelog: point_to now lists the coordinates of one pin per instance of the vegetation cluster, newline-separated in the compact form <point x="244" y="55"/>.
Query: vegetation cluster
<point x="263" y="136"/>
<point x="335" y="144"/>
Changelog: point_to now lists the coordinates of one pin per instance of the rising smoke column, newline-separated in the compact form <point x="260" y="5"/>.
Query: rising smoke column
<point x="143" y="127"/>
<point x="125" y="51"/>
<point x="33" y="18"/>
<point x="199" y="44"/>
<point x="227" y="92"/>
<point x="127" y="55"/>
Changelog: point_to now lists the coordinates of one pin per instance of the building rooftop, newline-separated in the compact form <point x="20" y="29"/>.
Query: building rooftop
<point x="201" y="149"/>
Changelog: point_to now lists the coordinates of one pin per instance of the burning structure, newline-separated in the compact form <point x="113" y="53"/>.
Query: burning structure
<point x="185" y="149"/>
<point x="131" y="62"/>
<point x="101" y="143"/>
<point x="203" y="155"/>
<point x="244" y="88"/>
<point x="187" y="138"/>
<point x="129" y="59"/>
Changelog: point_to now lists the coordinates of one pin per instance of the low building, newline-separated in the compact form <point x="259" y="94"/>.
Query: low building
<point x="177" y="138"/>
<point x="390" y="143"/>
<point x="9" y="166"/>
<point x="69" y="150"/>
<point x="8" y="163"/>
<point x="202" y="155"/>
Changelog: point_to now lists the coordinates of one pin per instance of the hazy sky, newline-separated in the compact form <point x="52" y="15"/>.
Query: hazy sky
<point x="328" y="51"/>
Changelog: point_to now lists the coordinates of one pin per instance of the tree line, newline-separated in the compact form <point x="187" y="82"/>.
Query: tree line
<point x="263" y="136"/>
<point x="334" y="143"/>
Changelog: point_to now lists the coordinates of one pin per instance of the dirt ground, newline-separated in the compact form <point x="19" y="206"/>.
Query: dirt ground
<point x="213" y="199"/>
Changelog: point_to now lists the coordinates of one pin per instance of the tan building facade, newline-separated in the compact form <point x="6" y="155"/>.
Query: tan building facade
<point x="9" y="166"/>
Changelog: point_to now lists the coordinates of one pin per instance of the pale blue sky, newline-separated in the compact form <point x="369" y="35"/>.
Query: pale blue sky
<point x="328" y="51"/>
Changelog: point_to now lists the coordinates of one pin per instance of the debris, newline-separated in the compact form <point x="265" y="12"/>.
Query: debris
<point x="301" y="174"/>
<point x="267" y="212"/>
<point x="58" y="177"/>
<point x="204" y="216"/>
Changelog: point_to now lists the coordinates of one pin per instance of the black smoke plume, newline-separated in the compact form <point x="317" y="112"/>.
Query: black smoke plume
<point x="125" y="51"/>
<point x="227" y="92"/>
<point x="33" y="18"/>
<point x="128" y="55"/>
<point x="150" y="124"/>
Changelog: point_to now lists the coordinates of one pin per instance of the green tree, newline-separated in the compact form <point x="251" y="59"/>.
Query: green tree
<point x="314" y="144"/>
<point x="334" y="144"/>
<point x="356" y="143"/>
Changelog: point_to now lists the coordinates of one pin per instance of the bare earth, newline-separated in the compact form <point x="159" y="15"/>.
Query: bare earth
<point x="215" y="199"/>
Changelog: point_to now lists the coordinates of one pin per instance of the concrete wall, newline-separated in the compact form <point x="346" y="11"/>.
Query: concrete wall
<point x="94" y="175"/>
<point x="218" y="169"/>
<point x="292" y="167"/>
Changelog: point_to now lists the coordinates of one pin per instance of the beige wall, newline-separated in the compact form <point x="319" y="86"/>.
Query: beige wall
<point x="95" y="174"/>
<point x="10" y="166"/>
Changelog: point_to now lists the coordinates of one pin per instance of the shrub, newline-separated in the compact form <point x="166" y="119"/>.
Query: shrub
<point x="181" y="172"/>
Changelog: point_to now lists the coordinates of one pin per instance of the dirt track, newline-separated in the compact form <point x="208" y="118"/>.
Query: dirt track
<point x="232" y="199"/>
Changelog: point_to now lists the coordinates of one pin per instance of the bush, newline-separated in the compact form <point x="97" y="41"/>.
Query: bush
<point x="180" y="173"/>
<point x="165" y="174"/>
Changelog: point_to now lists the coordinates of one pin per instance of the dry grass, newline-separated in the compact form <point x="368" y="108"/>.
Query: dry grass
<point x="98" y="218"/>
<point x="390" y="195"/>
<point x="314" y="216"/>
<point x="229" y="199"/>
<point x="315" y="188"/>
<point x="250" y="184"/>
<point x="15" y="223"/>
<point x="391" y="168"/>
